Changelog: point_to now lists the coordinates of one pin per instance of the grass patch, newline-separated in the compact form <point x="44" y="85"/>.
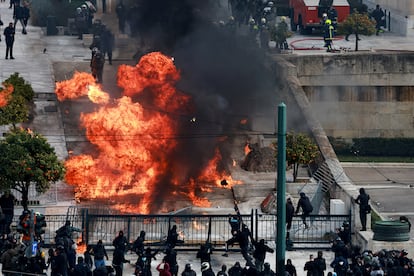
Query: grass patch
<point x="378" y="159"/>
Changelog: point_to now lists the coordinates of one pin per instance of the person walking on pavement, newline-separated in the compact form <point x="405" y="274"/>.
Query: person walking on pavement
<point x="121" y="13"/>
<point x="26" y="13"/>
<point x="9" y="33"/>
<point x="364" y="208"/>
<point x="107" y="43"/>
<point x="19" y="15"/>
<point x="378" y="15"/>
<point x="306" y="206"/>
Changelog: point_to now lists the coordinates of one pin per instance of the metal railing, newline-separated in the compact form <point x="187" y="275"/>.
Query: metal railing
<point x="193" y="229"/>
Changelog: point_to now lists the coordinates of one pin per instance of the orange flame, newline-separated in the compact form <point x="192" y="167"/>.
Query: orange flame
<point x="243" y="121"/>
<point x="134" y="165"/>
<point x="75" y="87"/>
<point x="247" y="149"/>
<point x="5" y="94"/>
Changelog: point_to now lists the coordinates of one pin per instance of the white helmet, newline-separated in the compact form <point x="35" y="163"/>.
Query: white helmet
<point x="270" y="4"/>
<point x="205" y="266"/>
<point x="263" y="20"/>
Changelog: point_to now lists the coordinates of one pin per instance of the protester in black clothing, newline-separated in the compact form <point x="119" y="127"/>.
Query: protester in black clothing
<point x="59" y="262"/>
<point x="19" y="14"/>
<point x="97" y="66"/>
<point x="188" y="271"/>
<point x="290" y="268"/>
<point x="81" y="268"/>
<point x="7" y="207"/>
<point x="138" y="244"/>
<point x="204" y="253"/>
<point x="206" y="269"/>
<point x="378" y="15"/>
<point x="172" y="237"/>
<point x="290" y="212"/>
<point x="118" y="260"/>
<point x="339" y="248"/>
<point x="259" y="253"/>
<point x="310" y="266"/>
<point x="99" y="253"/>
<point x="364" y="207"/>
<point x="267" y="271"/>
<point x="26" y="14"/>
<point x="234" y="222"/>
<point x="171" y="259"/>
<point x="107" y="43"/>
<point x="340" y="265"/>
<point x="121" y="13"/>
<point x="87" y="257"/>
<point x="306" y="206"/>
<point x="9" y="35"/>
<point x="223" y="271"/>
<point x="319" y="264"/>
<point x="235" y="270"/>
<point x="120" y="242"/>
<point x="344" y="233"/>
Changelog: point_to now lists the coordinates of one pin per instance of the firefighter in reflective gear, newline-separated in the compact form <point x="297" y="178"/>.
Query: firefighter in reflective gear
<point x="328" y="34"/>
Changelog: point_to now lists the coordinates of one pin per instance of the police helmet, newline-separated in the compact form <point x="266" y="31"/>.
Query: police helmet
<point x="263" y="20"/>
<point x="283" y="18"/>
<point x="270" y="4"/>
<point x="84" y="6"/>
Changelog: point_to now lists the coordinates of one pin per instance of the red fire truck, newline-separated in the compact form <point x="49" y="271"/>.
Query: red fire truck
<point x="307" y="14"/>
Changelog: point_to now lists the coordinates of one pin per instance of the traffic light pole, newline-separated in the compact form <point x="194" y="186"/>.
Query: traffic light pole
<point x="281" y="191"/>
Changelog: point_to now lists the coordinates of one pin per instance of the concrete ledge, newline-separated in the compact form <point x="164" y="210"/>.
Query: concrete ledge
<point x="365" y="239"/>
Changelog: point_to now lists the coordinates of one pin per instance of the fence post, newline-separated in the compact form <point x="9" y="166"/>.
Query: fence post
<point x="129" y="227"/>
<point x="86" y="225"/>
<point x="256" y="235"/>
<point x="251" y="221"/>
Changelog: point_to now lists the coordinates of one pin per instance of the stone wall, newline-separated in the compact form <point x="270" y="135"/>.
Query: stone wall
<point x="359" y="95"/>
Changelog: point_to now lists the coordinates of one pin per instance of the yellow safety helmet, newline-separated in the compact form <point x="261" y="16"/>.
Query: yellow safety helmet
<point x="328" y="21"/>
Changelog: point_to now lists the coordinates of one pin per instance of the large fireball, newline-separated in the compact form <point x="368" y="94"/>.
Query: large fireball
<point x="137" y="163"/>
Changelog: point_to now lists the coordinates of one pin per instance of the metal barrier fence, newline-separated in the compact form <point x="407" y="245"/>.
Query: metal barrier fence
<point x="194" y="229"/>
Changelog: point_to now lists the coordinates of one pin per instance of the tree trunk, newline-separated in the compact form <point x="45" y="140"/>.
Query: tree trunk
<point x="356" y="41"/>
<point x="295" y="171"/>
<point x="25" y="197"/>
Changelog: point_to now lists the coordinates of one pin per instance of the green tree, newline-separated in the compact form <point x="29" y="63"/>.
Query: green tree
<point x="358" y="24"/>
<point x="300" y="149"/>
<point x="27" y="158"/>
<point x="20" y="102"/>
